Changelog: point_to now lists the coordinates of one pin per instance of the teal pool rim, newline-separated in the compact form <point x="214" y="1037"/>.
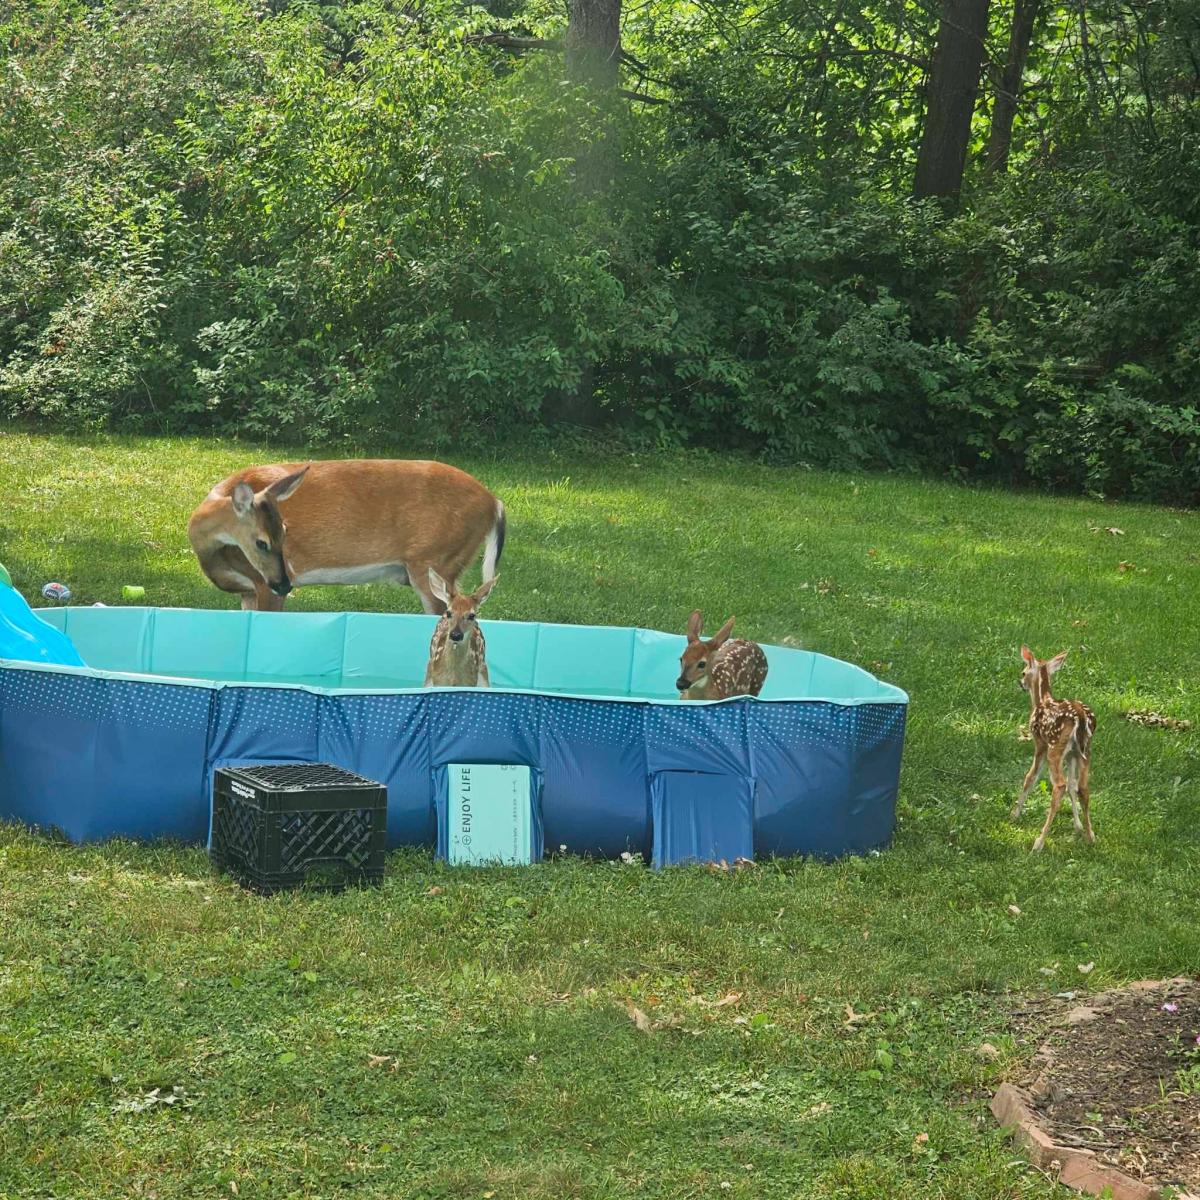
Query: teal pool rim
<point x="888" y="693"/>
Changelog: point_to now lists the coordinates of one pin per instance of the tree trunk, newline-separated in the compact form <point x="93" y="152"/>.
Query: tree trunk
<point x="953" y="90"/>
<point x="593" y="60"/>
<point x="593" y="42"/>
<point x="1008" y="91"/>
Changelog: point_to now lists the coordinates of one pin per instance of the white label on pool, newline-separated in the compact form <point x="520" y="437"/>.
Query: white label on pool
<point x="489" y="814"/>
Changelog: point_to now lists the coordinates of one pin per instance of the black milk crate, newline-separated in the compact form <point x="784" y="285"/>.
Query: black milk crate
<point x="277" y="827"/>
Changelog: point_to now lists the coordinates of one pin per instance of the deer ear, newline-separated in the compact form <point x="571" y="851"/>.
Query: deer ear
<point x="484" y="590"/>
<point x="439" y="587"/>
<point x="694" y="625"/>
<point x="243" y="499"/>
<point x="723" y="633"/>
<point x="1027" y="655"/>
<point x="1056" y="662"/>
<point x="281" y="489"/>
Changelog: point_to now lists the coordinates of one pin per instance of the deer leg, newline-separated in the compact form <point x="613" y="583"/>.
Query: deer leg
<point x="1085" y="799"/>
<point x="265" y="600"/>
<point x="1059" y="778"/>
<point x="1039" y="758"/>
<point x="1071" y="766"/>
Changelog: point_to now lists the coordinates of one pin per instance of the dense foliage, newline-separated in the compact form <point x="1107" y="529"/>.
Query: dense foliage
<point x="362" y="220"/>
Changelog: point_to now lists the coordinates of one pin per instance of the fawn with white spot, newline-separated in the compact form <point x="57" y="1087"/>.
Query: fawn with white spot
<point x="717" y="668"/>
<point x="1062" y="740"/>
<point x="457" y="654"/>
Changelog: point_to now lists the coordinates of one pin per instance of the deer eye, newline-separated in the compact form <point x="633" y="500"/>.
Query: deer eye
<point x="263" y="546"/>
<point x="702" y="663"/>
<point x="470" y="616"/>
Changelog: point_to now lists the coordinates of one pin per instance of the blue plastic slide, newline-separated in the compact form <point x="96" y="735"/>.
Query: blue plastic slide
<point x="25" y="637"/>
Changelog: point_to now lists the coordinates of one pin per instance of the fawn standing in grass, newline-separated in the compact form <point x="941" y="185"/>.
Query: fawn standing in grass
<point x="457" y="652"/>
<point x="718" y="668"/>
<point x="1062" y="739"/>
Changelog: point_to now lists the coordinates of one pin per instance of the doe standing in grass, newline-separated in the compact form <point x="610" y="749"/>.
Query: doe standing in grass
<point x="717" y="668"/>
<point x="457" y="653"/>
<point x="266" y="530"/>
<point x="1062" y="740"/>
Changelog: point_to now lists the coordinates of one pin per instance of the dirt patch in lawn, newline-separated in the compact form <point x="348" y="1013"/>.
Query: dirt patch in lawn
<point x="1120" y="1076"/>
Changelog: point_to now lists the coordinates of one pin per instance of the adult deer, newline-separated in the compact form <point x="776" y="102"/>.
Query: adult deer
<point x="266" y="530"/>
<point x="1062" y="740"/>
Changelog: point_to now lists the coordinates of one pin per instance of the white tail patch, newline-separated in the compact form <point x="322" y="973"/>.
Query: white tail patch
<point x="495" y="543"/>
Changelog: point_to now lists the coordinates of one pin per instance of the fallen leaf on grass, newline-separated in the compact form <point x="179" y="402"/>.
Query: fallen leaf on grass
<point x="435" y="891"/>
<point x="1124" y="567"/>
<point x="638" y="1017"/>
<point x="854" y="1018"/>
<point x="1012" y="908"/>
<point x="380" y="1060"/>
<point x="1023" y="734"/>
<point x="1154" y="720"/>
<point x="724" y="1002"/>
<point x="920" y="1140"/>
<point x="1049" y="970"/>
<point x="987" y="1052"/>
<point x="646" y="1025"/>
<point x="1086" y="968"/>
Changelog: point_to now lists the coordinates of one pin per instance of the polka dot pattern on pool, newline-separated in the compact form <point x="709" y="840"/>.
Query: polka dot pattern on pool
<point x="822" y="773"/>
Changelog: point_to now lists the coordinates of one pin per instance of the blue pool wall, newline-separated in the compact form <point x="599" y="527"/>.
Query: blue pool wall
<point x="113" y="750"/>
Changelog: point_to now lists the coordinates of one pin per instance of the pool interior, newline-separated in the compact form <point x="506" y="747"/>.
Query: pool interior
<point x="388" y="651"/>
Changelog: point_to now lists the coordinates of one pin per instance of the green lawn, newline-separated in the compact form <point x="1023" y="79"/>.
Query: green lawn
<point x="466" y="1034"/>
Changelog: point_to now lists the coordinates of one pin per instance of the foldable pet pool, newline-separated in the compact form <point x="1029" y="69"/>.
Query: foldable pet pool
<point x="127" y="745"/>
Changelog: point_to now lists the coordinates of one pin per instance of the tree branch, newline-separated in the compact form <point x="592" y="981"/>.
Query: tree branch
<point x="642" y="98"/>
<point x="508" y="41"/>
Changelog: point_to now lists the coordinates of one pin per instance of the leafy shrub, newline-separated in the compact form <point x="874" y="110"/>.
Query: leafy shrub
<point x="331" y="220"/>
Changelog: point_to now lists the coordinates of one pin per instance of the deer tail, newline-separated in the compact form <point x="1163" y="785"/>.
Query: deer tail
<point x="1081" y="734"/>
<point x="495" y="543"/>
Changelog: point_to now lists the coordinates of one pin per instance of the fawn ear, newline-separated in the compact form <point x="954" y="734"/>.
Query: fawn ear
<point x="281" y="489"/>
<point x="694" y="625"/>
<point x="243" y="499"/>
<point x="723" y="633"/>
<point x="484" y="590"/>
<point x="1027" y="655"/>
<point x="1056" y="662"/>
<point x="438" y="586"/>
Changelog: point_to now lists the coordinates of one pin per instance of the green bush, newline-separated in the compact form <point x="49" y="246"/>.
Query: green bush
<point x="339" y="220"/>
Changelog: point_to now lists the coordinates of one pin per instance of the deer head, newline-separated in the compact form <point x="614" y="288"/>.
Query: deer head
<point x="697" y="656"/>
<point x="1033" y="680"/>
<point x="462" y="612"/>
<point x="258" y="528"/>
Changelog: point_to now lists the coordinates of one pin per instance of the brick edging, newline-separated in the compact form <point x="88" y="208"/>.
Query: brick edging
<point x="1076" y="1168"/>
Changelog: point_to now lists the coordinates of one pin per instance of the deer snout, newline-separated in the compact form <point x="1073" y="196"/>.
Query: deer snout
<point x="682" y="683"/>
<point x="283" y="587"/>
<point x="456" y="635"/>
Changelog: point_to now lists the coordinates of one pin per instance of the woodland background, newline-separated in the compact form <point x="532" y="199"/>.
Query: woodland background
<point x="960" y="239"/>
